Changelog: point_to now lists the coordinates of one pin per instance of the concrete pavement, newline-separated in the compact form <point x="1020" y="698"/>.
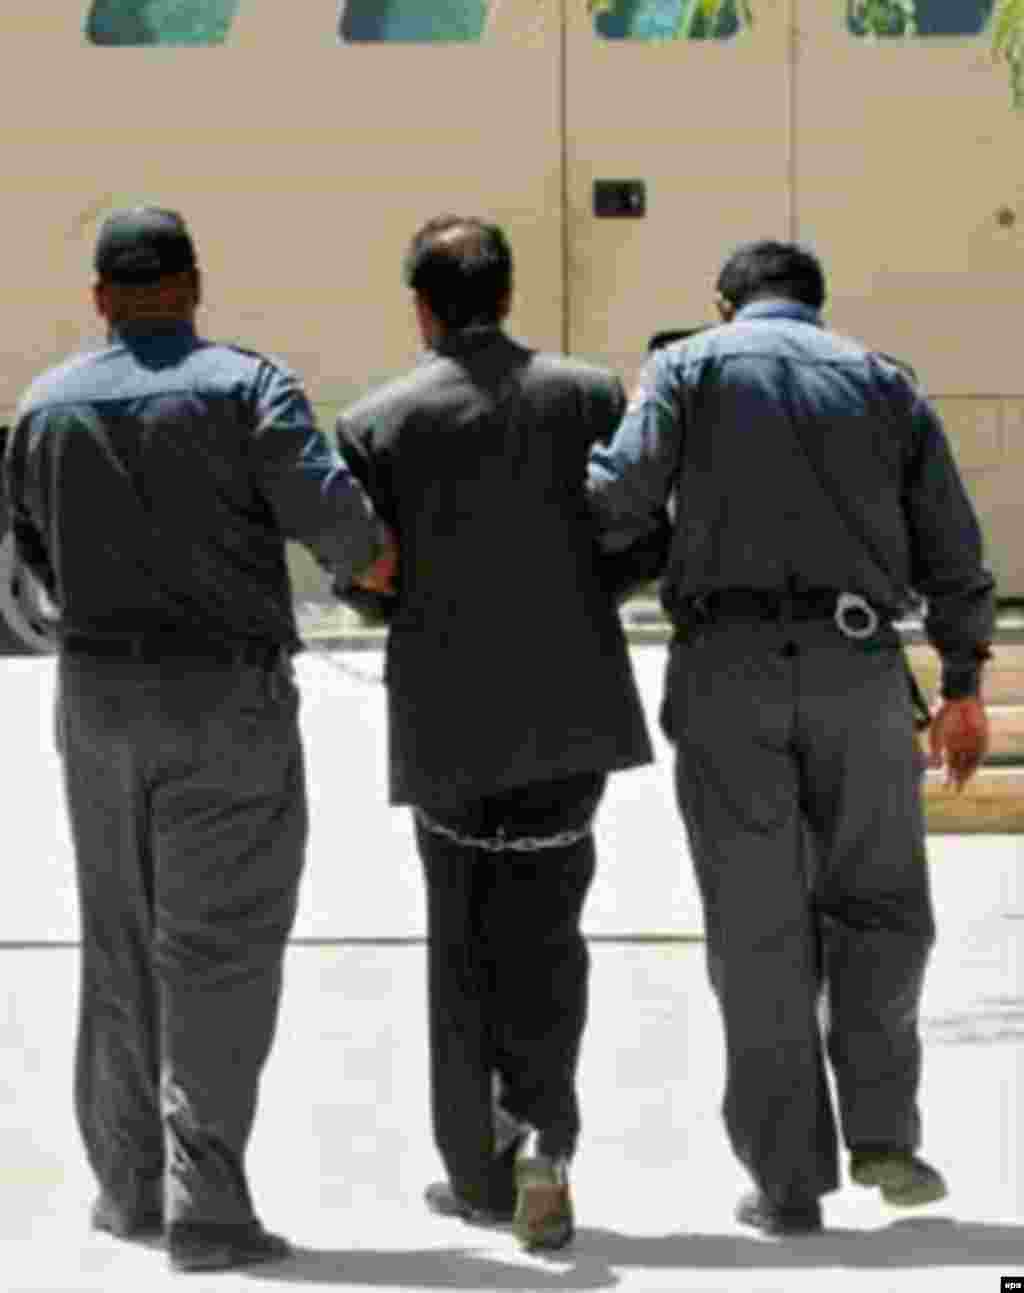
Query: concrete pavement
<point x="342" y="1147"/>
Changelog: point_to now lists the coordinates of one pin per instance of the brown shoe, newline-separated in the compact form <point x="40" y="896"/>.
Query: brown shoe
<point x="220" y="1247"/>
<point x="544" y="1218"/>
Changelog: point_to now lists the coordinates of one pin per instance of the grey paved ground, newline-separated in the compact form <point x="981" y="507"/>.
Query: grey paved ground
<point x="342" y="1148"/>
<point x="355" y="836"/>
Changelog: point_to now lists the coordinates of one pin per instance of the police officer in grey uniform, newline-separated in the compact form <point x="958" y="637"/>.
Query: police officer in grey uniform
<point x="510" y="698"/>
<point x="814" y="494"/>
<point x="152" y="484"/>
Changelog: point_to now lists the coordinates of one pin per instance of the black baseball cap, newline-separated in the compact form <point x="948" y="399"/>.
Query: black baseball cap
<point x="143" y="244"/>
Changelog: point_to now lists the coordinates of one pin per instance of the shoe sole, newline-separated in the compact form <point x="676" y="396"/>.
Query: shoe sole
<point x="223" y="1261"/>
<point x="448" y="1206"/>
<point x="142" y="1232"/>
<point x="544" y="1218"/>
<point x="768" y="1225"/>
<point x="892" y="1181"/>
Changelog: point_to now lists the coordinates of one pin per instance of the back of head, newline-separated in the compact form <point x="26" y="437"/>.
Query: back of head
<point x="146" y="267"/>
<point x="762" y="269"/>
<point x="462" y="268"/>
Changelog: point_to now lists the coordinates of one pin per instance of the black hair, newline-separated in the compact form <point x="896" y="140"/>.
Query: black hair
<point x="765" y="268"/>
<point x="462" y="267"/>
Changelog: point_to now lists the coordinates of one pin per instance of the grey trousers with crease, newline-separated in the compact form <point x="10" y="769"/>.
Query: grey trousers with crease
<point x="798" y="778"/>
<point x="186" y="794"/>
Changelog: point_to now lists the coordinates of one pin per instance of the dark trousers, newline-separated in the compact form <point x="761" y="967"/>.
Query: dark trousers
<point x="798" y="778"/>
<point x="507" y="980"/>
<point x="186" y="795"/>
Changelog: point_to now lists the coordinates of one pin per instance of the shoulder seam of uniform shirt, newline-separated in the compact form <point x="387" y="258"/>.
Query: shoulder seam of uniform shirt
<point x="810" y="361"/>
<point x="95" y="400"/>
<point x="271" y="361"/>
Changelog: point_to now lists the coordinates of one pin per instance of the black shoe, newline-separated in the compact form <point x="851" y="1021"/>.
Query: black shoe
<point x="442" y="1199"/>
<point x="756" y="1210"/>
<point x="219" y="1247"/>
<point x="112" y="1220"/>
<point x="905" y="1180"/>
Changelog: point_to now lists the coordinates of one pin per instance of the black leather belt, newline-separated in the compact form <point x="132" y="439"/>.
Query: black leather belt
<point x="757" y="604"/>
<point x="152" y="649"/>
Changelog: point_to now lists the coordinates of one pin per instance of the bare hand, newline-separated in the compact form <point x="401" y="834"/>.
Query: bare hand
<point x="380" y="577"/>
<point x="959" y="739"/>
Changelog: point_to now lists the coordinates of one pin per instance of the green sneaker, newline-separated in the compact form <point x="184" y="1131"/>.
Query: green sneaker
<point x="905" y="1180"/>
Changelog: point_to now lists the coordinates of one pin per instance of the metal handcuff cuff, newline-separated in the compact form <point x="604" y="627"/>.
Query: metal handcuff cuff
<point x="855" y="617"/>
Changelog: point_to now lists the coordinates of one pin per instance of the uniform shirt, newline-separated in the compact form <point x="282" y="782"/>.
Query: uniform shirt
<point x="796" y="459"/>
<point x="152" y="484"/>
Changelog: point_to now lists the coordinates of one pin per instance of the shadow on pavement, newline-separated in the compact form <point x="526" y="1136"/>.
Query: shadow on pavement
<point x="908" y="1243"/>
<point x="593" y="1260"/>
<point x="433" y="1268"/>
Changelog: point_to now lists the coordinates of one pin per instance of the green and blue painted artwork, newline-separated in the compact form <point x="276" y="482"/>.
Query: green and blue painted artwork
<point x="413" y="21"/>
<point x="160" y="22"/>
<point x="881" y="18"/>
<point x="657" y="20"/>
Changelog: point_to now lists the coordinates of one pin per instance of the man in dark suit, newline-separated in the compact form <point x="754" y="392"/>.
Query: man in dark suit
<point x="511" y="697"/>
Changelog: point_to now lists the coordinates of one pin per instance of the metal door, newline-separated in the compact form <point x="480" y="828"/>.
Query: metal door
<point x="304" y="148"/>
<point x="907" y="180"/>
<point x="676" y="150"/>
<point x="303" y="141"/>
<point x="896" y="158"/>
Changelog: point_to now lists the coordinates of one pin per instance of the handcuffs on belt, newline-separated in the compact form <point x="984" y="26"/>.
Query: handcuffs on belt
<point x="851" y="608"/>
<point x="855" y="617"/>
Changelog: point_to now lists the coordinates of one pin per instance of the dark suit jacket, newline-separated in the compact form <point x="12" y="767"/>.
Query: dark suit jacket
<point x="507" y="662"/>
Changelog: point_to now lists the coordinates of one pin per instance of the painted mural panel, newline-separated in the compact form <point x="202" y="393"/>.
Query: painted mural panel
<point x="658" y="20"/>
<point x="160" y="22"/>
<point x="882" y="18"/>
<point x="207" y="22"/>
<point x="412" y="21"/>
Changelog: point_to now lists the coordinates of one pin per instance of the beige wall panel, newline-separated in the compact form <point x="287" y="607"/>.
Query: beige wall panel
<point x="999" y="495"/>
<point x="1000" y="526"/>
<point x="974" y="427"/>
<point x="302" y="165"/>
<point x="905" y="154"/>
<point x="977" y="433"/>
<point x="1013" y="430"/>
<point x="704" y="123"/>
<point x="997" y="498"/>
<point x="987" y="437"/>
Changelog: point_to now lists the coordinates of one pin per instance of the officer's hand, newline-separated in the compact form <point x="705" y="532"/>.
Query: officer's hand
<point x="959" y="739"/>
<point x="380" y="577"/>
